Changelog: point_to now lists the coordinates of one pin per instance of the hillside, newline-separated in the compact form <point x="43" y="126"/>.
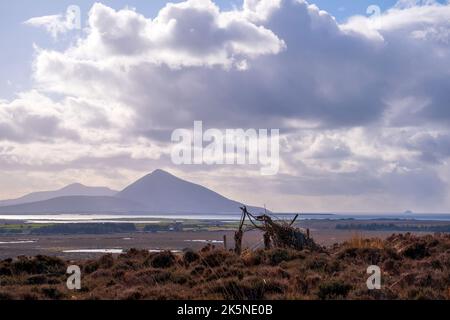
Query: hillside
<point x="412" y="268"/>
<point x="158" y="192"/>
<point x="161" y="191"/>
<point x="75" y="189"/>
<point x="75" y="204"/>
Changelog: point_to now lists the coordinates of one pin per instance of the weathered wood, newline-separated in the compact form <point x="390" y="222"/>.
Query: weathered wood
<point x="277" y="234"/>
<point x="238" y="242"/>
<point x="267" y="241"/>
<point x="240" y="233"/>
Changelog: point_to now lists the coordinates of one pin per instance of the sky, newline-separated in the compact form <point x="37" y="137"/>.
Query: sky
<point x="17" y="53"/>
<point x="358" y="89"/>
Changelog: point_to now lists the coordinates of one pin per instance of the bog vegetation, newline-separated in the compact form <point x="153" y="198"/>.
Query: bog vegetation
<point x="412" y="267"/>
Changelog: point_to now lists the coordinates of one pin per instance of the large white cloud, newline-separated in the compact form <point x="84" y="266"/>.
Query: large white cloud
<point x="362" y="106"/>
<point x="191" y="33"/>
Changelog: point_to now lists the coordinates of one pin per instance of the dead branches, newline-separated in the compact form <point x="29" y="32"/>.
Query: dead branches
<point x="279" y="234"/>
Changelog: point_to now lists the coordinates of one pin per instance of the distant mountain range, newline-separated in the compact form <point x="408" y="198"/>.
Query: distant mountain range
<point x="159" y="192"/>
<point x="75" y="189"/>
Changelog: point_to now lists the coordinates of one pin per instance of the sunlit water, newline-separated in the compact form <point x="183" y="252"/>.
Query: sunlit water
<point x="95" y="251"/>
<point x="17" y="242"/>
<point x="91" y="221"/>
<point x="113" y="251"/>
<point x="205" y="241"/>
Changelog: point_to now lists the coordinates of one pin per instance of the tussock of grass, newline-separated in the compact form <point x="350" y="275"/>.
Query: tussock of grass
<point x="358" y="241"/>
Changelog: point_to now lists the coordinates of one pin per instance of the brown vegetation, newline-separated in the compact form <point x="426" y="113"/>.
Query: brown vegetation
<point x="412" y="268"/>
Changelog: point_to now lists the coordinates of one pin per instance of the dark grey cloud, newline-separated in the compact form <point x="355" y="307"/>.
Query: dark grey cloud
<point x="35" y="128"/>
<point x="432" y="148"/>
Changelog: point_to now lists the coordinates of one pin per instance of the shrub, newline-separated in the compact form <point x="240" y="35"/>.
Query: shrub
<point x="134" y="254"/>
<point x="52" y="293"/>
<point x="390" y="265"/>
<point x="215" y="258"/>
<point x="29" y="296"/>
<point x="161" y="277"/>
<point x="90" y="266"/>
<point x="132" y="295"/>
<point x="416" y="251"/>
<point x="254" y="258"/>
<point x="179" y="278"/>
<point x="252" y="288"/>
<point x="106" y="261"/>
<point x="368" y="255"/>
<point x="318" y="264"/>
<point x="5" y="270"/>
<point x="198" y="270"/>
<point x="38" y="265"/>
<point x="190" y="256"/>
<point x="333" y="290"/>
<point x="39" y="279"/>
<point x="436" y="264"/>
<point x="276" y="256"/>
<point x="5" y="296"/>
<point x="162" y="260"/>
<point x="274" y="286"/>
<point x="249" y="289"/>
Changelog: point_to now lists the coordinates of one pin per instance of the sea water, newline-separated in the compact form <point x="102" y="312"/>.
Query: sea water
<point x="151" y="218"/>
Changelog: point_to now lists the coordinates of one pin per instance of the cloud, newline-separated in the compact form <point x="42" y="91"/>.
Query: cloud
<point x="295" y="57"/>
<point x="408" y="19"/>
<point x="362" y="106"/>
<point x="58" y="24"/>
<point x="22" y="121"/>
<point x="432" y="146"/>
<point x="191" y="33"/>
<point x="54" y="24"/>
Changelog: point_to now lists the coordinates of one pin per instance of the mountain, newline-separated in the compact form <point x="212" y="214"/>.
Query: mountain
<point x="75" y="204"/>
<point x="161" y="191"/>
<point x="158" y="192"/>
<point x="75" y="189"/>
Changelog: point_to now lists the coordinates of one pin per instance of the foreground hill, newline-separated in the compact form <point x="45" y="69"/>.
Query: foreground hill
<point x="412" y="268"/>
<point x="158" y="192"/>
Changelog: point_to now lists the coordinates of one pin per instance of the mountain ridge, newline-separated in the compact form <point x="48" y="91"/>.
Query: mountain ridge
<point x="74" y="189"/>
<point x="152" y="190"/>
<point x="156" y="192"/>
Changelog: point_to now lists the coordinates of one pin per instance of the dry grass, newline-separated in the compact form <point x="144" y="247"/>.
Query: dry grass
<point x="358" y="241"/>
<point x="412" y="268"/>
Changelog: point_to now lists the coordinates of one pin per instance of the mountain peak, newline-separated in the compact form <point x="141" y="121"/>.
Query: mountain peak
<point x="157" y="192"/>
<point x="73" y="186"/>
<point x="158" y="176"/>
<point x="160" y="172"/>
<point x="161" y="191"/>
